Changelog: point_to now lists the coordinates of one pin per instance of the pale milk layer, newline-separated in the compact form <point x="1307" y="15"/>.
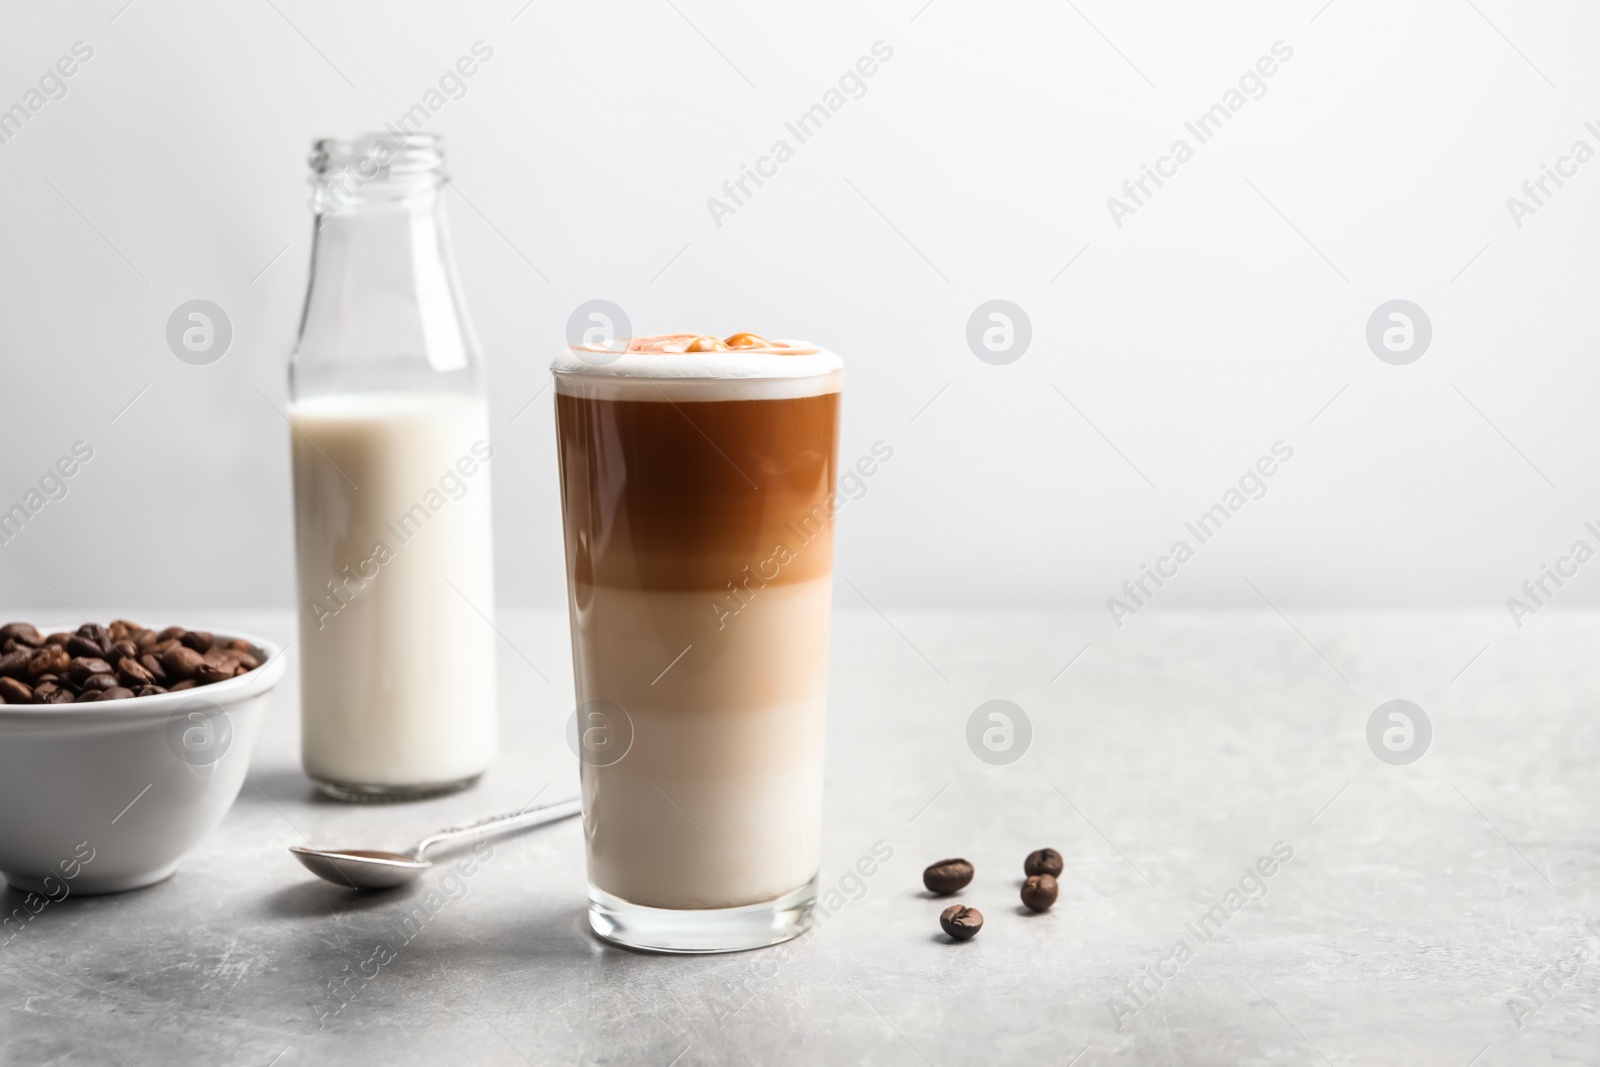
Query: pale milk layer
<point x="718" y="803"/>
<point x="397" y="667"/>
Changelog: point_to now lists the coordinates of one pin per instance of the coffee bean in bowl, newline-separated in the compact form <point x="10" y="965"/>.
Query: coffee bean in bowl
<point x="117" y="662"/>
<point x="1043" y="861"/>
<point x="947" y="876"/>
<point x="961" y="922"/>
<point x="155" y="768"/>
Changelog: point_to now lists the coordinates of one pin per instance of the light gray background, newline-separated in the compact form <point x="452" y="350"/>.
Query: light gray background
<point x="1167" y="354"/>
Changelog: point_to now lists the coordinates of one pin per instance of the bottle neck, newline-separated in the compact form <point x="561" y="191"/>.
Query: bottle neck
<point x="383" y="311"/>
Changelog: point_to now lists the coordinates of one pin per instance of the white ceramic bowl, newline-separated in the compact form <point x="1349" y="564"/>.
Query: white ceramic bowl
<point x="108" y="796"/>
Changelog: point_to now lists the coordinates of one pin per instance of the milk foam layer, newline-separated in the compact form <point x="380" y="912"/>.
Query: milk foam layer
<point x="807" y="371"/>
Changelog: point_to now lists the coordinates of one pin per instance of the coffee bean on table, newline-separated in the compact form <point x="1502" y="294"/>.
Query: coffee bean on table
<point x="947" y="876"/>
<point x="16" y="692"/>
<point x="1043" y="861"/>
<point x="961" y="922"/>
<point x="1040" y="891"/>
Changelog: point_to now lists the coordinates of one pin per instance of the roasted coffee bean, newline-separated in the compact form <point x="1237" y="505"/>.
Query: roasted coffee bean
<point x="132" y="659"/>
<point x="132" y="673"/>
<point x="1039" y="891"/>
<point x="78" y="645"/>
<point x="116" y="692"/>
<point x="97" y="633"/>
<point x="16" y="692"/>
<point x="198" y="640"/>
<point x="1043" y="861"/>
<point x="81" y="667"/>
<point x="947" y="876"/>
<point x="181" y="662"/>
<point x="153" y="665"/>
<point x="211" y="674"/>
<point x="961" y="922"/>
<point x="48" y="660"/>
<point x="22" y="632"/>
<point x="88" y="696"/>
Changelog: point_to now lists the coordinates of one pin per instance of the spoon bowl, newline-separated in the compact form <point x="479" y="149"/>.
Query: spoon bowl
<point x="360" y="868"/>
<point x="364" y="868"/>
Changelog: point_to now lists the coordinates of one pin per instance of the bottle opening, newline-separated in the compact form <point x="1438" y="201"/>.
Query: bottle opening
<point x="341" y="167"/>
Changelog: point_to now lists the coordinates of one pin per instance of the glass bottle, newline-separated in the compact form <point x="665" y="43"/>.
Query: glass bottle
<point x="391" y="453"/>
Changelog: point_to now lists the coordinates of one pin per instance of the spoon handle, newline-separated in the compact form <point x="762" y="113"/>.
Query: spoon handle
<point x="501" y="824"/>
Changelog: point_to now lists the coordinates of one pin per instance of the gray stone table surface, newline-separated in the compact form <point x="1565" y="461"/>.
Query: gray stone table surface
<point x="1428" y="914"/>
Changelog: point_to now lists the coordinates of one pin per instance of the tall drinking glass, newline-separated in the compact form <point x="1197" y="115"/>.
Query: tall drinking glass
<point x="698" y="498"/>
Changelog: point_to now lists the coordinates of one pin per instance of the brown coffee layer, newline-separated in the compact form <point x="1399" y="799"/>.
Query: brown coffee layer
<point x="678" y="495"/>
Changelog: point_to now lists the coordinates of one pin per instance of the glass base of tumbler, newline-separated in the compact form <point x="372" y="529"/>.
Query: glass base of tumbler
<point x="357" y="793"/>
<point x="702" y="930"/>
